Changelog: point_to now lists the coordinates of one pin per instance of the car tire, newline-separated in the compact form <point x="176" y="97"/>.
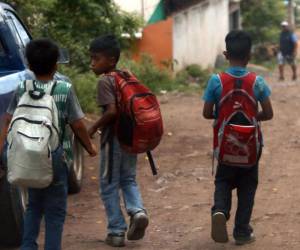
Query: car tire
<point x="12" y="206"/>
<point x="76" y="167"/>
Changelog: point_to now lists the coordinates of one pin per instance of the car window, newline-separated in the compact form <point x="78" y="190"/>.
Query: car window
<point x="18" y="29"/>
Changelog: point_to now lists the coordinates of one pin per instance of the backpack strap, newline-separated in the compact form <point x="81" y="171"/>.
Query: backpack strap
<point x="29" y="85"/>
<point x="233" y="84"/>
<point x="51" y="88"/>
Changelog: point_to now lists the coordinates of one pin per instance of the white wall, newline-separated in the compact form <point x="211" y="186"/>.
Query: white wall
<point x="136" y="6"/>
<point x="199" y="33"/>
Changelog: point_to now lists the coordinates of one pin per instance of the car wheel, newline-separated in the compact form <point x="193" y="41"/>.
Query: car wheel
<point x="12" y="206"/>
<point x="76" y="167"/>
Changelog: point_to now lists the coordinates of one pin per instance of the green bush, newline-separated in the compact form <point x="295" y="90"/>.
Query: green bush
<point x="85" y="85"/>
<point x="194" y="70"/>
<point x="193" y="74"/>
<point x="148" y="73"/>
<point x="157" y="79"/>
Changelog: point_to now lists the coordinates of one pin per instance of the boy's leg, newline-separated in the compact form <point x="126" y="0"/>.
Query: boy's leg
<point x="281" y="61"/>
<point x="111" y="157"/>
<point x="129" y="186"/>
<point x="246" y="189"/>
<point x="294" y="69"/>
<point x="55" y="203"/>
<point x="32" y="219"/>
<point x="132" y="197"/>
<point x="224" y="183"/>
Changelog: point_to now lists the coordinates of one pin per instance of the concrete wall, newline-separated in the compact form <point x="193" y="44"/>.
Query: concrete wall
<point x="199" y="33"/>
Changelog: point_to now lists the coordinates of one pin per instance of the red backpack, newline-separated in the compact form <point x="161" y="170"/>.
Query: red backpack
<point x="237" y="134"/>
<point x="139" y="125"/>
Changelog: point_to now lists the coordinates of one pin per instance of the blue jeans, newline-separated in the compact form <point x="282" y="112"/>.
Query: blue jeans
<point x="122" y="167"/>
<point x="50" y="202"/>
<point x="245" y="180"/>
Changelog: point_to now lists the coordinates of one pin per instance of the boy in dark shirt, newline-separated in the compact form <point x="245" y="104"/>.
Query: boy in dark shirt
<point x="117" y="167"/>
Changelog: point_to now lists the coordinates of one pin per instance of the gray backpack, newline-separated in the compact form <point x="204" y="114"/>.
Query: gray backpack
<point x="33" y="134"/>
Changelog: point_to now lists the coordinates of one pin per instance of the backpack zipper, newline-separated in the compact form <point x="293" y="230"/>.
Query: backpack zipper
<point x="34" y="122"/>
<point x="136" y="96"/>
<point x="39" y="139"/>
<point x="32" y="106"/>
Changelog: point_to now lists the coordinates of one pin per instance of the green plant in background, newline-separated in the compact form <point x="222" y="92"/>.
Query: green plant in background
<point x="151" y="75"/>
<point x="193" y="74"/>
<point x="85" y="85"/>
<point x="74" y="23"/>
<point x="262" y="19"/>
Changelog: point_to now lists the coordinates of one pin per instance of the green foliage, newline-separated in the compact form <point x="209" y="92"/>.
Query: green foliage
<point x="74" y="23"/>
<point x="85" y="85"/>
<point x="193" y="74"/>
<point x="155" y="78"/>
<point x="262" y="19"/>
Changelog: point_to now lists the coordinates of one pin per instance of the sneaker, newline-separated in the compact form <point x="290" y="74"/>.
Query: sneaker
<point x="218" y="228"/>
<point x="115" y="240"/>
<point x="138" y="225"/>
<point x="245" y="239"/>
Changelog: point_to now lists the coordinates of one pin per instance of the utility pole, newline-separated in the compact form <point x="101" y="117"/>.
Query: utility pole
<point x="291" y="13"/>
<point x="143" y="9"/>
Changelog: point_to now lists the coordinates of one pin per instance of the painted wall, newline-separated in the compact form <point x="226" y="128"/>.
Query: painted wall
<point x="199" y="33"/>
<point x="156" y="41"/>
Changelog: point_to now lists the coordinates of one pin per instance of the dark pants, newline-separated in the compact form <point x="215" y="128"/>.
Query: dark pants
<point x="50" y="202"/>
<point x="245" y="180"/>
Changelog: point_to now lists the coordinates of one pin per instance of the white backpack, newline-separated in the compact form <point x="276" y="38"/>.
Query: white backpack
<point x="33" y="134"/>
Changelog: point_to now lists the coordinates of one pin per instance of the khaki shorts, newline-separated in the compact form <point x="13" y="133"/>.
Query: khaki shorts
<point x="287" y="59"/>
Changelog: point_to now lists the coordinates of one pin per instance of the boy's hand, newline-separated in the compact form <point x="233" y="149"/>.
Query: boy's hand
<point x="91" y="131"/>
<point x="93" y="151"/>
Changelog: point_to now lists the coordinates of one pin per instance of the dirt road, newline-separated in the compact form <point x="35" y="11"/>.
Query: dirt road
<point x="180" y="198"/>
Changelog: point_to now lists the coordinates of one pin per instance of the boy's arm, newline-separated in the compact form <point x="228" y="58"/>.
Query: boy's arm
<point x="6" y="121"/>
<point x="295" y="41"/>
<point x="107" y="118"/>
<point x="81" y="133"/>
<point x="208" y="110"/>
<point x="267" y="110"/>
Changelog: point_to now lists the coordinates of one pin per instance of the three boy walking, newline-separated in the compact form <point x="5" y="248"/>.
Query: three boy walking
<point x="117" y="167"/>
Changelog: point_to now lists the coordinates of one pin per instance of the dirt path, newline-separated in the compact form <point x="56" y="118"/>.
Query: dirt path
<point x="179" y="199"/>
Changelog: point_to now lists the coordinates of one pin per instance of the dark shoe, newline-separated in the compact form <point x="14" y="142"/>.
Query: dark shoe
<point x="138" y="225"/>
<point x="218" y="228"/>
<point x="281" y="78"/>
<point x="115" y="240"/>
<point x="294" y="78"/>
<point x="244" y="239"/>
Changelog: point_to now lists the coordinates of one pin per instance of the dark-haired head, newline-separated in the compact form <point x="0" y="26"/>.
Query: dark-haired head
<point x="42" y="56"/>
<point x="238" y="46"/>
<point x="105" y="53"/>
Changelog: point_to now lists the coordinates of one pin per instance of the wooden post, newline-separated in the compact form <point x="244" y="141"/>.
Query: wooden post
<point x="291" y="13"/>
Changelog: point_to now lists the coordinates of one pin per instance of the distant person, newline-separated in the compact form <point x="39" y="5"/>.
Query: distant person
<point x="117" y="167"/>
<point x="50" y="202"/>
<point x="288" y="46"/>
<point x="231" y="99"/>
